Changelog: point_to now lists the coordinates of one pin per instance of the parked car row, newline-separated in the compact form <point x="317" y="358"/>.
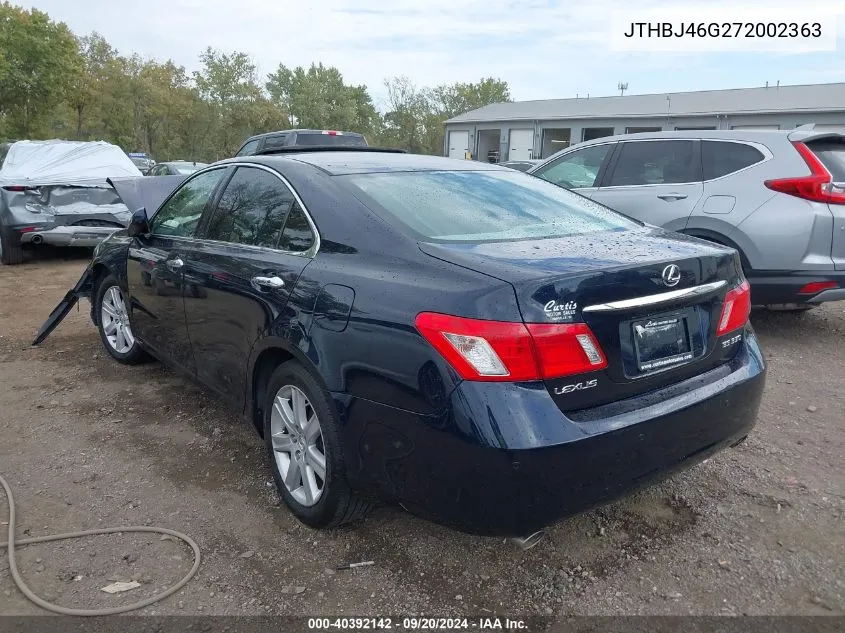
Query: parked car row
<point x="487" y="349"/>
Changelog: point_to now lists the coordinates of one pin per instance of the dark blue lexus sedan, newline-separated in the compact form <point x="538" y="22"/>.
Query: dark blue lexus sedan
<point x="487" y="349"/>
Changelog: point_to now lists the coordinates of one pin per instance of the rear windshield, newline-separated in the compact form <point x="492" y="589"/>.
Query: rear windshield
<point x="308" y="139"/>
<point x="832" y="155"/>
<point x="483" y="206"/>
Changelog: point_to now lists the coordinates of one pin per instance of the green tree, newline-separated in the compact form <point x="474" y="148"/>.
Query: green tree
<point x="88" y="79"/>
<point x="455" y="99"/>
<point x="229" y="83"/>
<point x="38" y="58"/>
<point x="317" y="97"/>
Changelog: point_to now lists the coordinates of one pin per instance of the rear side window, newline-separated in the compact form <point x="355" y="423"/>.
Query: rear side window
<point x="307" y="139"/>
<point x="655" y="163"/>
<point x="252" y="209"/>
<point x="275" y="142"/>
<point x="832" y="155"/>
<point x="720" y="158"/>
<point x="482" y="206"/>
<point x="297" y="236"/>
<point x="248" y="149"/>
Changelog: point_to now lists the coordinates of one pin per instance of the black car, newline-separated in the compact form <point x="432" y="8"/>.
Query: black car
<point x="176" y="168"/>
<point x="491" y="351"/>
<point x="263" y="143"/>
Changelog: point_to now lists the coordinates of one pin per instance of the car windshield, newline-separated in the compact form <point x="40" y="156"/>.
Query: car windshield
<point x="481" y="206"/>
<point x="309" y="139"/>
<point x="184" y="170"/>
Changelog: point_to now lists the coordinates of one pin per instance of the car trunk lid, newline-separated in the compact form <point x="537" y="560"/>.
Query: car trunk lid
<point x="628" y="287"/>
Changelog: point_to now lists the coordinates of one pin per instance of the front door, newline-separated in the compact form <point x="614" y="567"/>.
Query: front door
<point x="658" y="182"/>
<point x="154" y="270"/>
<point x="239" y="275"/>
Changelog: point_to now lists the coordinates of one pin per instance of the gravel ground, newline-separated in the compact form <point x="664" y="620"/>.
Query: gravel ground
<point x="88" y="443"/>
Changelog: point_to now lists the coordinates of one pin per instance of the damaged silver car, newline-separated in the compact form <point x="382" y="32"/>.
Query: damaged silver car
<point x="57" y="193"/>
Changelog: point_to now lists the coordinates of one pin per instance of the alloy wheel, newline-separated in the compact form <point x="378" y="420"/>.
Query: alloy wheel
<point x="115" y="319"/>
<point x="298" y="446"/>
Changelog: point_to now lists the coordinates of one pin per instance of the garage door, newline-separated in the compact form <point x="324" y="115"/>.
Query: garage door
<point x="521" y="146"/>
<point x="458" y="144"/>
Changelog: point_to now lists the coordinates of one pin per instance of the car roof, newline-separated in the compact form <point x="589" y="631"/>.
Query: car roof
<point x="299" y="131"/>
<point x="352" y="162"/>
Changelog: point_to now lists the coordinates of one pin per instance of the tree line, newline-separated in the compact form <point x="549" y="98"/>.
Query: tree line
<point x="55" y="84"/>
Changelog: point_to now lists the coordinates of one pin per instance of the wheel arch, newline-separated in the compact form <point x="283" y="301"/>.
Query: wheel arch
<point x="268" y="354"/>
<point x="719" y="238"/>
<point x="99" y="271"/>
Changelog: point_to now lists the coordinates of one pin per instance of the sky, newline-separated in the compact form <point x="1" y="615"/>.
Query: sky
<point x="542" y="48"/>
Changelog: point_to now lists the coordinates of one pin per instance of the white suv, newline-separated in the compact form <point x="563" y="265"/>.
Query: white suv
<point x="778" y="197"/>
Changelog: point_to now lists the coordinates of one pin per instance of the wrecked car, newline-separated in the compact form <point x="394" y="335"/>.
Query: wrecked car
<point x="56" y="193"/>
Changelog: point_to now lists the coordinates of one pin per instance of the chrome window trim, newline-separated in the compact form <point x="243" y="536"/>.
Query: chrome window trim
<point x="663" y="297"/>
<point x="310" y="252"/>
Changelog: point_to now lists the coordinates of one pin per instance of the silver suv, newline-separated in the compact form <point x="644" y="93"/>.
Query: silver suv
<point x="778" y="197"/>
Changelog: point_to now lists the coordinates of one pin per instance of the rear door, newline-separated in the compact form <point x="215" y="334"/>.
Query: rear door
<point x="580" y="170"/>
<point x="154" y="269"/>
<point x="238" y="277"/>
<point x="654" y="181"/>
<point x="831" y="152"/>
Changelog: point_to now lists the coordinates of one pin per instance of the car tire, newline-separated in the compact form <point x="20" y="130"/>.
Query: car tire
<point x="294" y="401"/>
<point x="11" y="250"/>
<point x="113" y="324"/>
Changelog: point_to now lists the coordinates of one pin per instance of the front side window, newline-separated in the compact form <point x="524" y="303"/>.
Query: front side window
<point x="577" y="169"/>
<point x="655" y="163"/>
<point x="481" y="206"/>
<point x="180" y="215"/>
<point x="252" y="209"/>
<point x="720" y="158"/>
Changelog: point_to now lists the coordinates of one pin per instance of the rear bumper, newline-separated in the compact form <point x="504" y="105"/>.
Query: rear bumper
<point x="68" y="235"/>
<point x="778" y="287"/>
<point x="506" y="461"/>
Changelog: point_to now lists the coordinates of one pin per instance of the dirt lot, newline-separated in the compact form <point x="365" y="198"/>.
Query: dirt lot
<point x="88" y="443"/>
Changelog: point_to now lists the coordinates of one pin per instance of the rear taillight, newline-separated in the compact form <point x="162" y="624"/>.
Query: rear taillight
<point x="514" y="352"/>
<point x="818" y="186"/>
<point x="19" y="188"/>
<point x="815" y="287"/>
<point x="736" y="309"/>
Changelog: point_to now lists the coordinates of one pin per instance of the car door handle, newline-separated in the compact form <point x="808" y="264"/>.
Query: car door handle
<point x="269" y="282"/>
<point x="175" y="264"/>
<point x="672" y="196"/>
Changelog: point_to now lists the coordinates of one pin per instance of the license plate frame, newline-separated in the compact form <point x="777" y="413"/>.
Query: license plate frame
<point x="670" y="332"/>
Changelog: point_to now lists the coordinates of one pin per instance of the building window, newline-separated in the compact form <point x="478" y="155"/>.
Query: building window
<point x="638" y="130"/>
<point x="704" y="127"/>
<point x="591" y="133"/>
<point x="554" y="140"/>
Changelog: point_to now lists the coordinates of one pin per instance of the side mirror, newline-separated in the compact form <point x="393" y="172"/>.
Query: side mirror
<point x="139" y="224"/>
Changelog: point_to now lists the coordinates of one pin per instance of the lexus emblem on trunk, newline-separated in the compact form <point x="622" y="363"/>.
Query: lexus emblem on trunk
<point x="671" y="275"/>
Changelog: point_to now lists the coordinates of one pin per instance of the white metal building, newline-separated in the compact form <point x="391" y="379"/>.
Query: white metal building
<point x="536" y="129"/>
